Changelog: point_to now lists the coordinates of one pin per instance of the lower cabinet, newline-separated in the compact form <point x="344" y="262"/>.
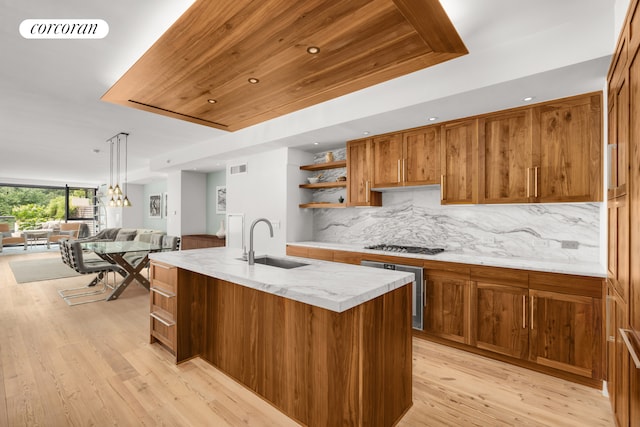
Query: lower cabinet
<point x="566" y="323"/>
<point x="500" y="321"/>
<point x="163" y="307"/>
<point x="550" y="322"/>
<point x="446" y="304"/>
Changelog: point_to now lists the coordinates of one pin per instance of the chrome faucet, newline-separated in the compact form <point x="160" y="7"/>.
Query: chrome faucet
<point x="252" y="255"/>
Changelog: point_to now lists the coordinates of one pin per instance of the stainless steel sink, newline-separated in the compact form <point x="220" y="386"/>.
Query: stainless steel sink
<point x="278" y="262"/>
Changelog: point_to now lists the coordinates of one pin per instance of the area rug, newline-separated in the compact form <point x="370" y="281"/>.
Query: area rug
<point x="40" y="269"/>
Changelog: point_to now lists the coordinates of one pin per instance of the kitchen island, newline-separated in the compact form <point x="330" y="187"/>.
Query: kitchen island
<point x="326" y="343"/>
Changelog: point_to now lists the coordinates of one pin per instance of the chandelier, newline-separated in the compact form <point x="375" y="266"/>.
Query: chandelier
<point x="118" y="193"/>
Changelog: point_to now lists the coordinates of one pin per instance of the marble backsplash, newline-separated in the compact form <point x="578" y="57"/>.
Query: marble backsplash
<point x="415" y="217"/>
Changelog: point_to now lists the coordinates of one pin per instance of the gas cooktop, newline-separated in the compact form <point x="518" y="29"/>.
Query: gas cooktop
<point x="406" y="249"/>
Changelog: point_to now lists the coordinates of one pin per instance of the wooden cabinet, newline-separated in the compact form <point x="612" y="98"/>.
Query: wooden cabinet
<point x="506" y="157"/>
<point x="163" y="304"/>
<point x="566" y="323"/>
<point x="360" y="174"/>
<point x="617" y="357"/>
<point x="447" y="304"/>
<point x="618" y="129"/>
<point x="618" y="245"/>
<point x="500" y="322"/>
<point x="567" y="150"/>
<point x="550" y="322"/>
<point x="407" y="159"/>
<point x="388" y="160"/>
<point x="199" y="241"/>
<point x="459" y="167"/>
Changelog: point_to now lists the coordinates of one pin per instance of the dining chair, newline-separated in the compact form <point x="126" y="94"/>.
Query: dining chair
<point x="73" y="256"/>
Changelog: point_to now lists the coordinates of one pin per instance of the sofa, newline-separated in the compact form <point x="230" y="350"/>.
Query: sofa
<point x="124" y="234"/>
<point x="9" y="238"/>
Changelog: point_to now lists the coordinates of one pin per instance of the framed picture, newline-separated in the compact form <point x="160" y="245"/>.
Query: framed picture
<point x="155" y="206"/>
<point x="221" y="199"/>
<point x="165" y="205"/>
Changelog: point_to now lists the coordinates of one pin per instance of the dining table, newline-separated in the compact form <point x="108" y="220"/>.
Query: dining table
<point x="132" y="256"/>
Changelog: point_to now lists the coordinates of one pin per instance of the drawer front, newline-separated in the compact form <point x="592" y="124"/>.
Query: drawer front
<point x="164" y="277"/>
<point x="163" y="330"/>
<point x="163" y="302"/>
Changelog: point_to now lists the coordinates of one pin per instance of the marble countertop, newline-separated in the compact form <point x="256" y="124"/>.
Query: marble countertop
<point x="329" y="285"/>
<point x="591" y="269"/>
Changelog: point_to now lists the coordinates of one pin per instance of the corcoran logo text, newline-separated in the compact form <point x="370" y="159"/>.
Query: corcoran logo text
<point x="64" y="29"/>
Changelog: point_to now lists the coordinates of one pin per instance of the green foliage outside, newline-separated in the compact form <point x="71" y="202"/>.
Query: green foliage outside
<point x="33" y="206"/>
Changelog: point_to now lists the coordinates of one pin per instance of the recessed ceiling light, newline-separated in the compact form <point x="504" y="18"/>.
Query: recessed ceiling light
<point x="366" y="132"/>
<point x="433" y="119"/>
<point x="528" y="98"/>
<point x="313" y="50"/>
<point x="316" y="143"/>
<point x="211" y="101"/>
<point x="253" y="80"/>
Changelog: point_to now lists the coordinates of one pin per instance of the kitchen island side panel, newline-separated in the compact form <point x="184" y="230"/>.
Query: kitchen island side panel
<point x="317" y="366"/>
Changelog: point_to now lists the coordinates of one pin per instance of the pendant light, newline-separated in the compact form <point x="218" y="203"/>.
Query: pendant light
<point x="118" y="197"/>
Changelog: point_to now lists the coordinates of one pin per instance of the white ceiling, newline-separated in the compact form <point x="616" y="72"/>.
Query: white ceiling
<point x="53" y="120"/>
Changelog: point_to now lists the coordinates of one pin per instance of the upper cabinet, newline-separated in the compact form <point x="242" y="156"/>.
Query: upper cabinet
<point x="567" y="150"/>
<point x="544" y="153"/>
<point x="360" y="174"/>
<point x="505" y="150"/>
<point x="407" y="159"/>
<point x="459" y="154"/>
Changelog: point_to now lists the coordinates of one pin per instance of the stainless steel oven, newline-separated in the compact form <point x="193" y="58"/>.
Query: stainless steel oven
<point x="417" y="314"/>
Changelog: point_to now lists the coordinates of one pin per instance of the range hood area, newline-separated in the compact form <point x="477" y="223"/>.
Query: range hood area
<point x="231" y="64"/>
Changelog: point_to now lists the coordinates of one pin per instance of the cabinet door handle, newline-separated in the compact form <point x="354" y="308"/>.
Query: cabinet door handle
<point x="442" y="187"/>
<point x="404" y="169"/>
<point x="531" y="299"/>
<point x="528" y="182"/>
<point x="535" y="181"/>
<point x="161" y="320"/>
<point x="163" y="293"/>
<point x="524" y="312"/>
<point x="398" y="170"/>
<point x="366" y="191"/>
<point x="630" y="347"/>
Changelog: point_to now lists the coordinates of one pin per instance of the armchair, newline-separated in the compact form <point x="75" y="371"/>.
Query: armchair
<point x="7" y="238"/>
<point x="68" y="230"/>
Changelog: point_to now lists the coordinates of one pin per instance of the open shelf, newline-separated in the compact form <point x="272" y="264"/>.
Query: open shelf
<point x="318" y="185"/>
<point x="323" y="205"/>
<point x="321" y="166"/>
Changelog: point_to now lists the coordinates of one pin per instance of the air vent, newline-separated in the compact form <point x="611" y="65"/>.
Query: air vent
<point x="238" y="169"/>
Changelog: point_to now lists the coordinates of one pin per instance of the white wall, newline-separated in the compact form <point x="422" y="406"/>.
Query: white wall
<point x="261" y="193"/>
<point x="299" y="222"/>
<point x="187" y="203"/>
<point x="156" y="187"/>
<point x="620" y="11"/>
<point x="214" y="179"/>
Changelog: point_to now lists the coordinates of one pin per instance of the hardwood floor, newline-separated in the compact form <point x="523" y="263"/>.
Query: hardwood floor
<point x="93" y="365"/>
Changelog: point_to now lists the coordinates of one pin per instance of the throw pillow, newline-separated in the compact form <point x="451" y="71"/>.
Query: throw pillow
<point x="124" y="236"/>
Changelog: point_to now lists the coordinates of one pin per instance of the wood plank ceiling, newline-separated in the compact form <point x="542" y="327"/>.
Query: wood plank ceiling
<point x="199" y="70"/>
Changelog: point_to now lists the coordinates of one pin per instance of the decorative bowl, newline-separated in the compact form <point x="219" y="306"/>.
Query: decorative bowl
<point x="313" y="179"/>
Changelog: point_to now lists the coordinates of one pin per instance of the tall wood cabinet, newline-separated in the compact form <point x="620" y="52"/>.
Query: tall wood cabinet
<point x="623" y="190"/>
<point x="360" y="174"/>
